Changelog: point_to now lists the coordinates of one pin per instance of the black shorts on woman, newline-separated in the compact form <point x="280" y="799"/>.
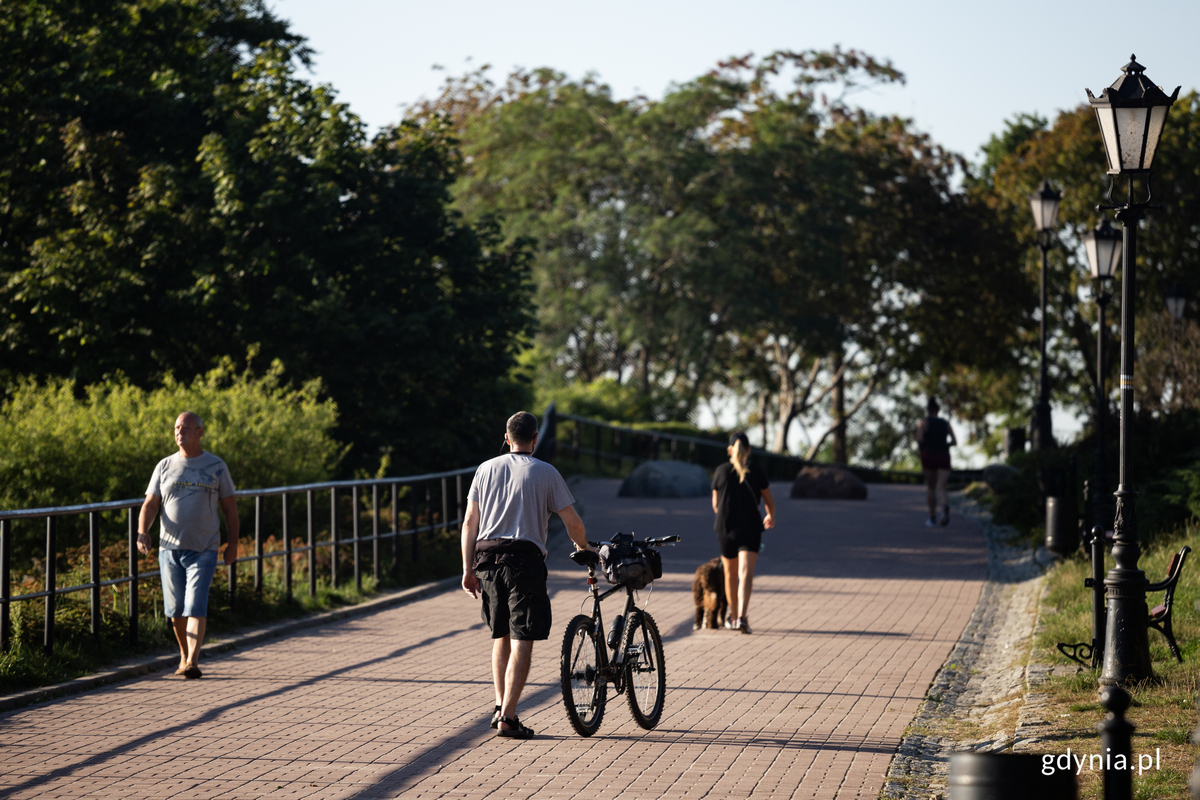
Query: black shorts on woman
<point x="739" y="524"/>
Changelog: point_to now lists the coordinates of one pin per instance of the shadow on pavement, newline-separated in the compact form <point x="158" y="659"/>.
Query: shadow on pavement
<point x="214" y="713"/>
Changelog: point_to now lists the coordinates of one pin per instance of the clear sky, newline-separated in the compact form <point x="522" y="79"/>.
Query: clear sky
<point x="969" y="65"/>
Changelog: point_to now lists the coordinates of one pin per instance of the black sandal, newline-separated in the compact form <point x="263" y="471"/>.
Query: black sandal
<point x="496" y="717"/>
<point x="517" y="731"/>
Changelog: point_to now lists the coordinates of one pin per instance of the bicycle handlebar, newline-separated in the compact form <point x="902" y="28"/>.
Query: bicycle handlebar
<point x="651" y="542"/>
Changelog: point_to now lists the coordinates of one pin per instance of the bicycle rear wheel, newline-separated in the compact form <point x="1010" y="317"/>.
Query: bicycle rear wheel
<point x="645" y="670"/>
<point x="584" y="688"/>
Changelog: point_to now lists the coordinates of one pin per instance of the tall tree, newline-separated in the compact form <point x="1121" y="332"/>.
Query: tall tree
<point x="171" y="192"/>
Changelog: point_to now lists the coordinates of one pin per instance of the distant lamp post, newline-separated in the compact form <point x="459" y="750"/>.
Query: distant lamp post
<point x="1103" y="246"/>
<point x="1175" y="303"/>
<point x="1044" y="203"/>
<point x="1131" y="114"/>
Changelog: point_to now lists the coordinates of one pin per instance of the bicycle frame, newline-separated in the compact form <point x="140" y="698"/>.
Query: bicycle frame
<point x="612" y="670"/>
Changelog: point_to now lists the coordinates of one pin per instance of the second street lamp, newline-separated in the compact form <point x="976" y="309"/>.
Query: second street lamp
<point x="1103" y="246"/>
<point x="1131" y="114"/>
<point x="1044" y="204"/>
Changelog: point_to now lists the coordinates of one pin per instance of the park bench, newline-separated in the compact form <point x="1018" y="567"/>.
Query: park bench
<point x="1089" y="654"/>
<point x="1160" y="615"/>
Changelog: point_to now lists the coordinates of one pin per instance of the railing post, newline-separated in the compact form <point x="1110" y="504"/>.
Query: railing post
<point x="617" y="447"/>
<point x="94" y="564"/>
<point x="287" y="548"/>
<point x="133" y="576"/>
<point x="258" y="545"/>
<point x="333" y="538"/>
<point x="445" y="505"/>
<point x="5" y="586"/>
<point x="596" y="428"/>
<point x="412" y="498"/>
<point x="51" y="581"/>
<point x="231" y="580"/>
<point x="458" y="499"/>
<point x="396" y="531"/>
<point x="312" y="547"/>
<point x="575" y="439"/>
<point x="375" y="534"/>
<point x="354" y="528"/>
<point x="429" y="506"/>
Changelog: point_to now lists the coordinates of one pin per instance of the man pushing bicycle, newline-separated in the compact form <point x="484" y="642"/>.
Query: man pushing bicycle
<point x="504" y="558"/>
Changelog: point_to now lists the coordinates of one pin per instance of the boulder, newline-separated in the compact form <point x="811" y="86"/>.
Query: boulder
<point x="828" y="483"/>
<point x="666" y="479"/>
<point x="999" y="476"/>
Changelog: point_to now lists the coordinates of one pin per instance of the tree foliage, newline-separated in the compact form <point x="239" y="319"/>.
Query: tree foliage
<point x="172" y="192"/>
<point x="1069" y="153"/>
<point x="751" y="231"/>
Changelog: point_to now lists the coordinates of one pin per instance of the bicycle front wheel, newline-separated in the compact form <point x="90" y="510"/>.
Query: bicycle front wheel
<point x="584" y="688"/>
<point x="645" y="670"/>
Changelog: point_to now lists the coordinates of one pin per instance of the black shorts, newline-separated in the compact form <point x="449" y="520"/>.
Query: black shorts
<point x="515" y="601"/>
<point x="732" y="542"/>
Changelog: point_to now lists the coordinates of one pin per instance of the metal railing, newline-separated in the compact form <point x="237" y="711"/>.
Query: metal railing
<point x="427" y="495"/>
<point x="620" y="444"/>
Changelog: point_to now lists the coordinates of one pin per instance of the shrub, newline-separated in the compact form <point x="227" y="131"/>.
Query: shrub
<point x="60" y="448"/>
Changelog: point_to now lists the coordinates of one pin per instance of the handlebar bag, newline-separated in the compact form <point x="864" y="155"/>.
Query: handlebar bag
<point x="629" y="563"/>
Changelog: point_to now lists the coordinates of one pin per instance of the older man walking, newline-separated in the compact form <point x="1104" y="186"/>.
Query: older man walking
<point x="504" y="555"/>
<point x="189" y="487"/>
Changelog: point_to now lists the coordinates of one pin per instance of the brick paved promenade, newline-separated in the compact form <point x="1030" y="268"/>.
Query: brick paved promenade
<point x="856" y="605"/>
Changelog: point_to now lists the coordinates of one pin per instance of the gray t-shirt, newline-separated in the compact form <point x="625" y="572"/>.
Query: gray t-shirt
<point x="191" y="490"/>
<point x="516" y="495"/>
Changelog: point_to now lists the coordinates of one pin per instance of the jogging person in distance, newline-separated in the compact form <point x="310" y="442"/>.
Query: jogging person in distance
<point x="504" y="558"/>
<point x="189" y="487"/>
<point x="935" y="437"/>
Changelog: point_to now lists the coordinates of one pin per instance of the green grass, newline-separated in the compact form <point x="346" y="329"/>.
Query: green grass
<point x="1164" y="710"/>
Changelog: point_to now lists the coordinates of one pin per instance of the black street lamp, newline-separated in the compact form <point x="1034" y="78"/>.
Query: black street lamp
<point x="1103" y="255"/>
<point x="1131" y="113"/>
<point x="1176" y="300"/>
<point x="1044" y="203"/>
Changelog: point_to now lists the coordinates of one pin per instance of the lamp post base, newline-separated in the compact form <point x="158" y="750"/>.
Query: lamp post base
<point x="1126" y="639"/>
<point x="1126" y="642"/>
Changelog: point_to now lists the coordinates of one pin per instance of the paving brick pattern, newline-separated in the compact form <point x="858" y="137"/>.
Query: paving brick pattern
<point x="856" y="604"/>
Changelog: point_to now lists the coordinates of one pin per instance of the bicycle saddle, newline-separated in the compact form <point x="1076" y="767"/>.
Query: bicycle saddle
<point x="586" y="558"/>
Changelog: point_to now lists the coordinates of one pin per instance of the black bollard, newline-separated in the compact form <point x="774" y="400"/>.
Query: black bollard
<point x="1002" y="776"/>
<point x="1115" y="738"/>
<point x="1062" y="531"/>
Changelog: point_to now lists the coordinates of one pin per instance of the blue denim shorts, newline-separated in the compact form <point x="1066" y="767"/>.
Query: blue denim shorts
<point x="186" y="576"/>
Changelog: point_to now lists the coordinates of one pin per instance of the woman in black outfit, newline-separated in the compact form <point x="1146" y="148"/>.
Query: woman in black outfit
<point x="737" y="489"/>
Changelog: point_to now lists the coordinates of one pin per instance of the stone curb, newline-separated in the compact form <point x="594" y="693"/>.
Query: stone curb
<point x="246" y="639"/>
<point x="920" y="766"/>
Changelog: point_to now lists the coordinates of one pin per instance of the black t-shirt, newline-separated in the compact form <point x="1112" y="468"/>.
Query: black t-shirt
<point x="737" y="502"/>
<point x="937" y="436"/>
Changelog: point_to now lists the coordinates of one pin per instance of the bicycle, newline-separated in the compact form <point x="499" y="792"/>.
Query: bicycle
<point x="636" y="666"/>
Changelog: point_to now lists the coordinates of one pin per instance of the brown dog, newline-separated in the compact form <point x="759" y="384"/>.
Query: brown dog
<point x="708" y="592"/>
